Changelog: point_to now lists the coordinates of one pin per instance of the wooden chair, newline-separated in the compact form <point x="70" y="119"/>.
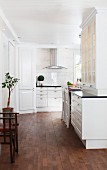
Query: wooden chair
<point x="9" y="132"/>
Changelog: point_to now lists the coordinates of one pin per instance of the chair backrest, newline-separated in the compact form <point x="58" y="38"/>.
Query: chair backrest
<point x="7" y="119"/>
<point x="9" y="132"/>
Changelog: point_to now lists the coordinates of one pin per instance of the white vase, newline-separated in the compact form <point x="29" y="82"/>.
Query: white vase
<point x="40" y="83"/>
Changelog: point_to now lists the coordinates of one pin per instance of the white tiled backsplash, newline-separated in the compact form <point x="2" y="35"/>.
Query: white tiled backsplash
<point x="56" y="76"/>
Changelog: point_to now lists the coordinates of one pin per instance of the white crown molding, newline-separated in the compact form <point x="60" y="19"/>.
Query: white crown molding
<point x="34" y="45"/>
<point x="89" y="17"/>
<point x="8" y="25"/>
<point x="92" y="14"/>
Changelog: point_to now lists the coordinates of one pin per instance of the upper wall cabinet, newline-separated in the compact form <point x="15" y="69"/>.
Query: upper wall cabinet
<point x="94" y="51"/>
<point x="89" y="53"/>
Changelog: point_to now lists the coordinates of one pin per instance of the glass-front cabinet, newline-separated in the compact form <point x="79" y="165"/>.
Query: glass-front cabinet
<point x="88" y="49"/>
<point x="94" y="51"/>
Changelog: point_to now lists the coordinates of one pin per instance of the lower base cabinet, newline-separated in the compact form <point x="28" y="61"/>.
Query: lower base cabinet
<point x="89" y="119"/>
<point x="49" y="99"/>
<point x="54" y="102"/>
<point x="66" y="106"/>
<point x="41" y="102"/>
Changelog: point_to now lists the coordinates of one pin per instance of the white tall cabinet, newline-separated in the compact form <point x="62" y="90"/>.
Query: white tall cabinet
<point x="94" y="51"/>
<point x="27" y="75"/>
<point x="89" y="110"/>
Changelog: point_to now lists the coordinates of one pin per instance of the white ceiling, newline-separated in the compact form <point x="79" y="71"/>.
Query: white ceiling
<point x="48" y="21"/>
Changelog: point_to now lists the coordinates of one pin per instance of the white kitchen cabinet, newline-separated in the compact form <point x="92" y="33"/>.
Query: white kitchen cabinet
<point x="94" y="51"/>
<point x="88" y="117"/>
<point x="89" y="52"/>
<point x="41" y="97"/>
<point x="41" y="101"/>
<point x="49" y="98"/>
<point x="54" y="102"/>
<point x="54" y="97"/>
<point x="76" y="114"/>
<point x="66" y="107"/>
<point x="54" y="94"/>
<point x="27" y="78"/>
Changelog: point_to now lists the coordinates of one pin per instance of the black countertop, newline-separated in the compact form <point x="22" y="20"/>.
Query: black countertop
<point x="83" y="94"/>
<point x="49" y="86"/>
<point x="74" y="89"/>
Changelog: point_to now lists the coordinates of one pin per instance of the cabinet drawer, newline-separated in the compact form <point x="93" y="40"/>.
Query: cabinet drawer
<point x="79" y="124"/>
<point x="73" y="116"/>
<point x="41" y="102"/>
<point x="41" y="95"/>
<point x="78" y="115"/>
<point x="77" y="99"/>
<point x="55" y="88"/>
<point x="54" y="101"/>
<point x="41" y="92"/>
<point x="54" y="93"/>
<point x="79" y="108"/>
<point x="41" y="88"/>
<point x="74" y="103"/>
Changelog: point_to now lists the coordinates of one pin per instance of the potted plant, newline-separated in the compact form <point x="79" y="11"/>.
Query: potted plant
<point x="41" y="79"/>
<point x="9" y="83"/>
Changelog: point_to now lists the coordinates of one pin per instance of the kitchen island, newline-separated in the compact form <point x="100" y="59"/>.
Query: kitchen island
<point x="88" y="115"/>
<point x="89" y="118"/>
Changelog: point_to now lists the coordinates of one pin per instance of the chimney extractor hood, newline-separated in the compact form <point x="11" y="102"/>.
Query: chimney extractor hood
<point x="54" y="60"/>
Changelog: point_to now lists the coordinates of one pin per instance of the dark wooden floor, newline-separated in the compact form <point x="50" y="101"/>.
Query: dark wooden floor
<point x="46" y="144"/>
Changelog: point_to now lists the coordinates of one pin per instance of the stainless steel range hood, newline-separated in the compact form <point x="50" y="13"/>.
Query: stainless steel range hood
<point x="54" y="63"/>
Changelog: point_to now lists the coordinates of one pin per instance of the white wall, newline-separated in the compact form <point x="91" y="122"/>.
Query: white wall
<point x="1" y="63"/>
<point x="66" y="59"/>
<point x="5" y="67"/>
<point x="8" y="64"/>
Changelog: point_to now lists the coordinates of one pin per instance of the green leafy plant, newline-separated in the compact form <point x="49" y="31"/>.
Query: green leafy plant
<point x="9" y="83"/>
<point x="41" y="78"/>
<point x="69" y="83"/>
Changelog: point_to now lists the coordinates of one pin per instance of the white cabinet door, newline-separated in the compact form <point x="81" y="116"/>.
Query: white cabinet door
<point x="27" y="79"/>
<point x="55" y="102"/>
<point x="55" y="94"/>
<point x="26" y="100"/>
<point x="41" y="101"/>
<point x="55" y="97"/>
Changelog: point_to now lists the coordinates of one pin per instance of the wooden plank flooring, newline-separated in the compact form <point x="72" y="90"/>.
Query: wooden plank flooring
<point x="46" y="144"/>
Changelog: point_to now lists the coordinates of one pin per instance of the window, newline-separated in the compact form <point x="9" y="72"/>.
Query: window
<point x="78" y="67"/>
